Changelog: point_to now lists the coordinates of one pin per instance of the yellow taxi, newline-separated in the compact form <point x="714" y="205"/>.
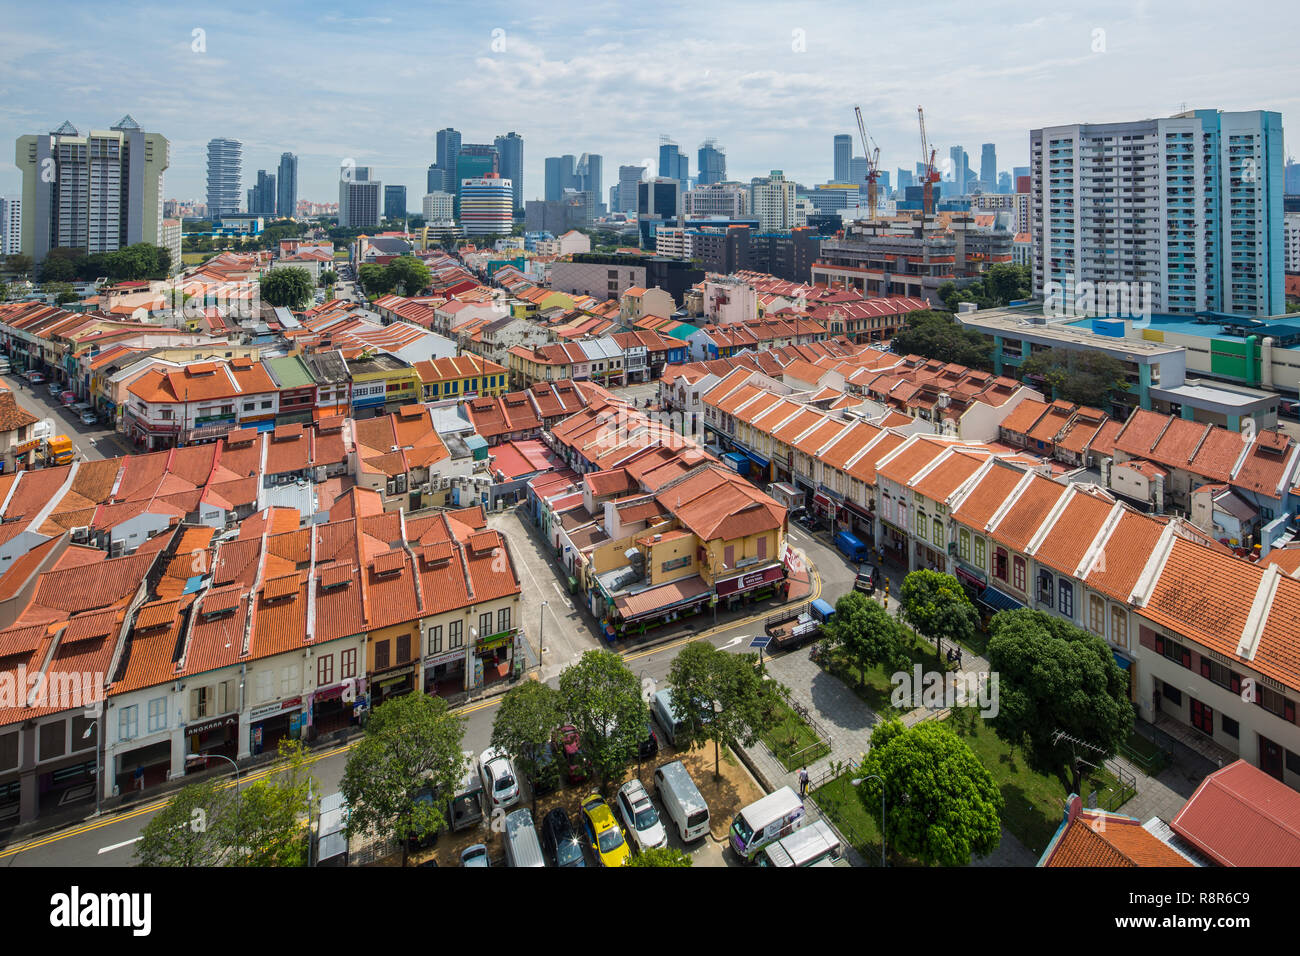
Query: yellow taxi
<point x="604" y="835"/>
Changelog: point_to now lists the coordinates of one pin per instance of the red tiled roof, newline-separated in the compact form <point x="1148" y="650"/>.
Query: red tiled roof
<point x="1240" y="816"/>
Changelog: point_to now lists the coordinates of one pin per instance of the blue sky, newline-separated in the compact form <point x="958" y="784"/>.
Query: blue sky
<point x="772" y="82"/>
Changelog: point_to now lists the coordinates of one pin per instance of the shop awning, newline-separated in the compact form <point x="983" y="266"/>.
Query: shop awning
<point x="758" y="459"/>
<point x="663" y="598"/>
<point x="1123" y="662"/>
<point x="750" y="580"/>
<point x="995" y="600"/>
<point x="969" y="577"/>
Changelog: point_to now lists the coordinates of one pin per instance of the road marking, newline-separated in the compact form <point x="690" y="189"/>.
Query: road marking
<point x="733" y="642"/>
<point x="567" y="602"/>
<point x="118" y="846"/>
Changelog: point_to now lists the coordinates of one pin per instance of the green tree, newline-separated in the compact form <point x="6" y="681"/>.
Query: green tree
<point x="60" y="264"/>
<point x="942" y="806"/>
<point x="719" y="697"/>
<point x="937" y="605"/>
<point x="190" y="829"/>
<point x="411" y="742"/>
<point x="327" y="278"/>
<point x="662" y="856"/>
<point x="602" y="699"/>
<point x="937" y="335"/>
<point x="265" y="824"/>
<point x="62" y="292"/>
<point x="525" y="722"/>
<point x="1088" y="377"/>
<point x="407" y="275"/>
<point x="291" y="287"/>
<point x="1054" y="677"/>
<point x="867" y="635"/>
<point x="18" y="263"/>
<point x="374" y="279"/>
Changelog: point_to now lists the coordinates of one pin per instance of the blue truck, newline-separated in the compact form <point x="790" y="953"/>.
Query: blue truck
<point x="853" y="547"/>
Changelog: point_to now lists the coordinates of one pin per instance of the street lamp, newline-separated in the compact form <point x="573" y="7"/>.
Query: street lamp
<point x="541" y="630"/>
<point x="873" y="776"/>
<point x="219" y="757"/>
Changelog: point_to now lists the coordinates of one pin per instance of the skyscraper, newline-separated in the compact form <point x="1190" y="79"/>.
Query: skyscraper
<point x="486" y="205"/>
<point x="905" y="179"/>
<point x="673" y="163"/>
<point x="989" y="167"/>
<point x="474" y="161"/>
<point x="772" y="201"/>
<point x="857" y="171"/>
<point x="394" y="202"/>
<point x="628" y="179"/>
<point x="286" y="201"/>
<point x="711" y="162"/>
<point x="448" y="148"/>
<point x="99" y="192"/>
<point x="510" y="148"/>
<point x="957" y="156"/>
<point x="224" y="163"/>
<point x="590" y="176"/>
<point x="843" y="158"/>
<point x="561" y="174"/>
<point x="359" y="198"/>
<point x="11" y="226"/>
<point x="1205" y="184"/>
<point x="262" y="197"/>
<point x="436" y="179"/>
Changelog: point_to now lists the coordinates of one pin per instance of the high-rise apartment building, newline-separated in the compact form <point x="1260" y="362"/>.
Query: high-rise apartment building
<point x="772" y="201"/>
<point x="843" y="158"/>
<point x="359" y="198"/>
<point x="1191" y="204"/>
<point x="510" y="148"/>
<point x="629" y="177"/>
<point x="711" y="161"/>
<point x="286" y="187"/>
<point x="171" y="241"/>
<point x="262" y="197"/>
<point x="487" y="205"/>
<point x="99" y="192"/>
<point x="394" y="202"/>
<point x="11" y="226"/>
<point x="1291" y="241"/>
<point x="224" y="164"/>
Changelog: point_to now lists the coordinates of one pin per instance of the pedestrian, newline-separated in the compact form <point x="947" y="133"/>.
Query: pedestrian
<point x="803" y="781"/>
<point x="139" y="776"/>
<point x="959" y="657"/>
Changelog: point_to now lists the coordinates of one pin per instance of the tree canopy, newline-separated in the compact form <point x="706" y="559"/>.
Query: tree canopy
<point x="661" y="856"/>
<point x="290" y="287"/>
<point x="1087" y="377"/>
<point x="942" y="806"/>
<point x="1056" y="677"/>
<point x="867" y="635"/>
<point x="1001" y="283"/>
<point x="412" y="742"/>
<point x="143" y="260"/>
<point x="187" y="831"/>
<point x="719" y="697"/>
<point x="525" y="721"/>
<point x="405" y="275"/>
<point x="937" y="335"/>
<point x="602" y="699"/>
<point x="937" y="605"/>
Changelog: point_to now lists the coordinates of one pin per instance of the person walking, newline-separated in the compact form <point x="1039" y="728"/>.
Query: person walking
<point x="803" y="781"/>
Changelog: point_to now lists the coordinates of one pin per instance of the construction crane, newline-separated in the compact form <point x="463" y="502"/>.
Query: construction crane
<point x="930" y="175"/>
<point x="872" y="152"/>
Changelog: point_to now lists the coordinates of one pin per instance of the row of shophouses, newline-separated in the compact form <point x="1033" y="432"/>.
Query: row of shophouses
<point x="1209" y="639"/>
<point x="200" y="646"/>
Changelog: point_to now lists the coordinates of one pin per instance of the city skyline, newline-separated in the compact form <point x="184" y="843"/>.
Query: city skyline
<point x="527" y="74"/>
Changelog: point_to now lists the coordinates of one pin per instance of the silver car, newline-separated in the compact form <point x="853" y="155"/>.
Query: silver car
<point x="500" y="782"/>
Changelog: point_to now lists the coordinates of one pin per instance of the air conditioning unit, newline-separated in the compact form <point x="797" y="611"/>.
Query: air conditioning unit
<point x="426" y="487"/>
<point x="81" y="534"/>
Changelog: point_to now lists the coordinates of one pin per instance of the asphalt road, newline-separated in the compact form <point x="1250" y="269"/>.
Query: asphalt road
<point x="90" y="441"/>
<point x="110" y="841"/>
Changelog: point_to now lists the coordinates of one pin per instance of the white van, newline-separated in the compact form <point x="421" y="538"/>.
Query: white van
<point x="778" y="814"/>
<point x="682" y="801"/>
<point x="465" y="808"/>
<point x="662" y="706"/>
<point x="520" y="837"/>
<point x="813" y="845"/>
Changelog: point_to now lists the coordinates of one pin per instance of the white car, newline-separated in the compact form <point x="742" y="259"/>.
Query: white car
<point x="640" y="817"/>
<point x="500" y="782"/>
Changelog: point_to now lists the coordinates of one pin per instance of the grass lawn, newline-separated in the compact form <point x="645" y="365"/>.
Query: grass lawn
<point x="1034" y="802"/>
<point x="792" y="741"/>
<point x="839" y="800"/>
<point x="876" y="687"/>
<point x="195" y="258"/>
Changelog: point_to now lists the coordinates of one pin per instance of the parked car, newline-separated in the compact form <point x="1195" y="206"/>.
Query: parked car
<point x="1289" y="408"/>
<point x="867" y="580"/>
<point x="476" y="855"/>
<point x="604" y="835"/>
<point x="68" y="399"/>
<point x="577" y="766"/>
<point x="649" y="745"/>
<point x="560" y="841"/>
<point x="640" y="816"/>
<point x="35" y="378"/>
<point x="89" y="418"/>
<point x="547" y="777"/>
<point x="55" y="388"/>
<point x="500" y="782"/>
<point x="414" y="841"/>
